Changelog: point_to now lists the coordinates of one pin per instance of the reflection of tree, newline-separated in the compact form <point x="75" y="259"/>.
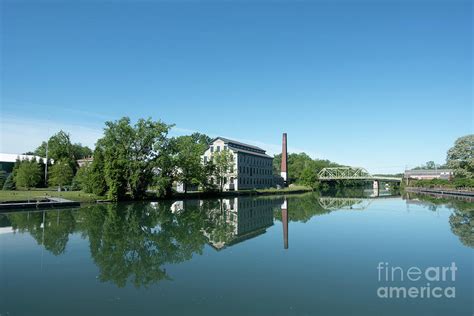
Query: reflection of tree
<point x="462" y="218"/>
<point x="219" y="227"/>
<point x="133" y="241"/>
<point x="462" y="225"/>
<point x="301" y="208"/>
<point x="55" y="233"/>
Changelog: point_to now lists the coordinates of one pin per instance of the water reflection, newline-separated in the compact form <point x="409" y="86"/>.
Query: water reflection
<point x="132" y="243"/>
<point x="462" y="218"/>
<point x="234" y="220"/>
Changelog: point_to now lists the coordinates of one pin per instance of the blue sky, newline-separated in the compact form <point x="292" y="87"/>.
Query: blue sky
<point x="375" y="84"/>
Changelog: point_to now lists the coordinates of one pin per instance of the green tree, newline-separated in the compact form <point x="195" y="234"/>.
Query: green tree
<point x="61" y="174"/>
<point x="59" y="147"/>
<point x="166" y="171"/>
<point x="188" y="161"/>
<point x="309" y="176"/>
<point x="430" y="165"/>
<point x="302" y="168"/>
<point x="83" y="178"/>
<point x="131" y="155"/>
<point x="223" y="165"/>
<point x="28" y="174"/>
<point x="9" y="184"/>
<point x="81" y="152"/>
<point x="461" y="157"/>
<point x="97" y="182"/>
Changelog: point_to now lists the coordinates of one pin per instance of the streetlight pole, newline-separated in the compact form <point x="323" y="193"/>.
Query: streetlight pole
<point x="46" y="166"/>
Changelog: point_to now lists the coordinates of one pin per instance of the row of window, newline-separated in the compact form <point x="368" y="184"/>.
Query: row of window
<point x="251" y="171"/>
<point x="218" y="148"/>
<point x="243" y="181"/>
<point x="255" y="160"/>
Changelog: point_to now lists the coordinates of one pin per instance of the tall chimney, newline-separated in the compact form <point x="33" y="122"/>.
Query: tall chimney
<point x="284" y="161"/>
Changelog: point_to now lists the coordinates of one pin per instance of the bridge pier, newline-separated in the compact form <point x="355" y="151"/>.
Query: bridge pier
<point x="376" y="187"/>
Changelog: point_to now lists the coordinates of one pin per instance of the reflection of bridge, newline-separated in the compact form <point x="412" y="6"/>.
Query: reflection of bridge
<point x="332" y="203"/>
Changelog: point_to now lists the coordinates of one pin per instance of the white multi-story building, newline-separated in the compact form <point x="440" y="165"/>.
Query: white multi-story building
<point x="252" y="168"/>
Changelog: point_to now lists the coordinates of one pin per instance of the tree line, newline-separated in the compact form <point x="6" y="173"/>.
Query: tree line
<point x="130" y="159"/>
<point x="31" y="173"/>
<point x="127" y="161"/>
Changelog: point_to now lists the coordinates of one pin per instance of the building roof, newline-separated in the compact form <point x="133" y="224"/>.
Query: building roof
<point x="250" y="152"/>
<point x="230" y="141"/>
<point x="13" y="157"/>
<point x="429" y="171"/>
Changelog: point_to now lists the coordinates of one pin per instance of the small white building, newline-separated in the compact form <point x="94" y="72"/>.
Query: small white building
<point x="253" y="168"/>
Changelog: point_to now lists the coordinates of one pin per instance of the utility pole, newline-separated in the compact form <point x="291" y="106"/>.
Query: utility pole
<point x="46" y="166"/>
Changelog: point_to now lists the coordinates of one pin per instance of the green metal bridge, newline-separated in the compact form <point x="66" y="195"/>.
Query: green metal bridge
<point x="352" y="173"/>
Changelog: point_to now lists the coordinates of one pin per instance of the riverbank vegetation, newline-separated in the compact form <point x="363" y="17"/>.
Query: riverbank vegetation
<point x="138" y="161"/>
<point x="459" y="158"/>
<point x="456" y="183"/>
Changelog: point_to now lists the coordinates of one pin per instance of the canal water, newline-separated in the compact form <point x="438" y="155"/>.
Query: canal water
<point x="341" y="254"/>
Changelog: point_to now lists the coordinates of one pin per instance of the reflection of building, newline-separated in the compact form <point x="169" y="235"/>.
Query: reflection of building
<point x="238" y="219"/>
<point x="428" y="174"/>
<point x="252" y="168"/>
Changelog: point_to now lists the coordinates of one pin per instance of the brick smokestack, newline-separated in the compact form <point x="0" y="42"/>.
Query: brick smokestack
<point x="284" y="160"/>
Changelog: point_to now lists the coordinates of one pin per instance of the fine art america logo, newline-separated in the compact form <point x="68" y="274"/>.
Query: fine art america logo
<point x="428" y="282"/>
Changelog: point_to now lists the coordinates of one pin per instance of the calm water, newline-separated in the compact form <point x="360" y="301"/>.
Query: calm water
<point x="301" y="255"/>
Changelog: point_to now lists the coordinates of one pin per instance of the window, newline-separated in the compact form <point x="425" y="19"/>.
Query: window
<point x="212" y="149"/>
<point x="218" y="148"/>
<point x="205" y="159"/>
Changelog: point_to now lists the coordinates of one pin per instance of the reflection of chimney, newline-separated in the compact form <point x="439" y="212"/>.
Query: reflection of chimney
<point x="284" y="220"/>
<point x="284" y="160"/>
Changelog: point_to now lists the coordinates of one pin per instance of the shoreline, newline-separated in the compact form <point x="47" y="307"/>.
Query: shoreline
<point x="449" y="193"/>
<point x="194" y="195"/>
<point x="51" y="201"/>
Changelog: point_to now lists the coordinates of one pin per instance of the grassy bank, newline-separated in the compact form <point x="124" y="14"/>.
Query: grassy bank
<point x="19" y="195"/>
<point x="79" y="196"/>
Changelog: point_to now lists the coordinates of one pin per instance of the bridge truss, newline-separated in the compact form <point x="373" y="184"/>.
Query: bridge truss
<point x="351" y="173"/>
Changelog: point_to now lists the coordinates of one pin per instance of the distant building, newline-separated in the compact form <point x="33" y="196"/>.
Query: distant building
<point x="8" y="160"/>
<point x="253" y="168"/>
<point x="429" y="174"/>
<point x="84" y="162"/>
